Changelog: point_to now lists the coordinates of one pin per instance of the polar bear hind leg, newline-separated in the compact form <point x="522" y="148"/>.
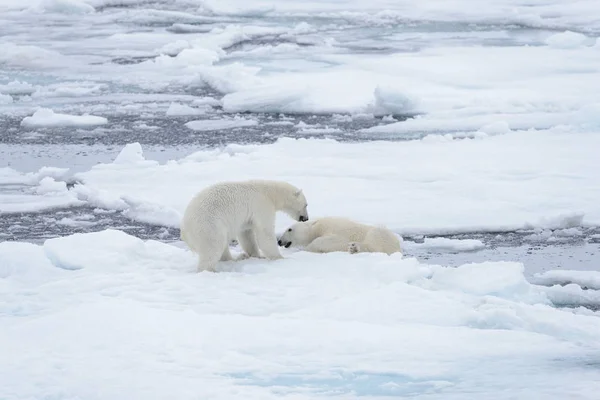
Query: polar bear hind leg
<point x="211" y="249"/>
<point x="377" y="240"/>
<point x="327" y="244"/>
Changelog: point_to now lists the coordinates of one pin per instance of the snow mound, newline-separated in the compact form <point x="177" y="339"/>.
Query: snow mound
<point x="566" y="40"/>
<point x="220" y="124"/>
<point x="46" y="118"/>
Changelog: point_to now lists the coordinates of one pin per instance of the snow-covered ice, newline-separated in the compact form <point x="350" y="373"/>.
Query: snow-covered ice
<point x="588" y="279"/>
<point x="176" y="110"/>
<point x="44" y="117"/>
<point x="108" y="315"/>
<point x="445" y="244"/>
<point x="397" y="184"/>
<point x="220" y="124"/>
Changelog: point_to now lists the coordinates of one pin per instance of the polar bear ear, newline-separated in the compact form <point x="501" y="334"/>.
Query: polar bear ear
<point x="298" y="193"/>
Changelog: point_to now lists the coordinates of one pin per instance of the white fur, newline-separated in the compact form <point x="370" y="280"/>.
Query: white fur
<point x="329" y="234"/>
<point x="243" y="210"/>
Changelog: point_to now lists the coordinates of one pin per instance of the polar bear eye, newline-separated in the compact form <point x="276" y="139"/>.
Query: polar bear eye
<point x="289" y="230"/>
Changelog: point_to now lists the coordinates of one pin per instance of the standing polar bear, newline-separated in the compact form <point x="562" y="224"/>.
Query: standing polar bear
<point x="243" y="210"/>
<point x="329" y="234"/>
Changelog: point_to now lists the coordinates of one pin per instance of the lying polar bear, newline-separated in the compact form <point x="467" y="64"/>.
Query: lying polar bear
<point x="329" y="234"/>
<point x="243" y="210"/>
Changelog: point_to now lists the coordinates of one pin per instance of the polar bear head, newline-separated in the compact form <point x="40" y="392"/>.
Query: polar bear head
<point x="298" y="234"/>
<point x="295" y="206"/>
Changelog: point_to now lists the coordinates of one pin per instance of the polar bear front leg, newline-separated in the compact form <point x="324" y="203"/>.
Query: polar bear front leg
<point x="267" y="242"/>
<point x="327" y="244"/>
<point x="248" y="243"/>
<point x="226" y="256"/>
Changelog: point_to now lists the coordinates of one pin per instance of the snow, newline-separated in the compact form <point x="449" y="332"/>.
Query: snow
<point x="220" y="124"/>
<point x="473" y="189"/>
<point x="588" y="279"/>
<point x="566" y="40"/>
<point x="5" y="99"/>
<point x="445" y="244"/>
<point x="70" y="7"/>
<point x="308" y="326"/>
<point x="131" y="154"/>
<point x="49" y="185"/>
<point x="17" y="87"/>
<point x="46" y="118"/>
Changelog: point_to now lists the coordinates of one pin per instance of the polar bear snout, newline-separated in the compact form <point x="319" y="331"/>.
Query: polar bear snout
<point x="285" y="244"/>
<point x="303" y="218"/>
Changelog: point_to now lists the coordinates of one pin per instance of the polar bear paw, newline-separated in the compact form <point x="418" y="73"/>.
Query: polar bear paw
<point x="245" y="256"/>
<point x="242" y="257"/>
<point x="353" y="248"/>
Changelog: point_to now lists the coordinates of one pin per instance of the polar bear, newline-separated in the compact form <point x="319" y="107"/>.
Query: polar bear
<point x="329" y="234"/>
<point x="244" y="210"/>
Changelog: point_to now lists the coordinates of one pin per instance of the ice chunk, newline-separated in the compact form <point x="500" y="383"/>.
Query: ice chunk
<point x="130" y="154"/>
<point x="17" y="87"/>
<point x="174" y="48"/>
<point x="207" y="101"/>
<point x="28" y="56"/>
<point x="45" y="118"/>
<point x="503" y="279"/>
<point x="72" y="7"/>
<point x="495" y="128"/>
<point x="220" y="124"/>
<point x="5" y="99"/>
<point x="588" y="279"/>
<point x="566" y="40"/>
<point x="176" y="109"/>
<point x="49" y="185"/>
<point x="447" y="244"/>
<point x="392" y="102"/>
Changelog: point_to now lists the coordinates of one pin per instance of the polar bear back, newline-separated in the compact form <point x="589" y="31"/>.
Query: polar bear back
<point x="346" y="228"/>
<point x="231" y="206"/>
<point x="372" y="238"/>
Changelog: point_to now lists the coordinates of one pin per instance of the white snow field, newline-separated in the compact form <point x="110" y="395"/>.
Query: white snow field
<point x="105" y="315"/>
<point x="475" y="118"/>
